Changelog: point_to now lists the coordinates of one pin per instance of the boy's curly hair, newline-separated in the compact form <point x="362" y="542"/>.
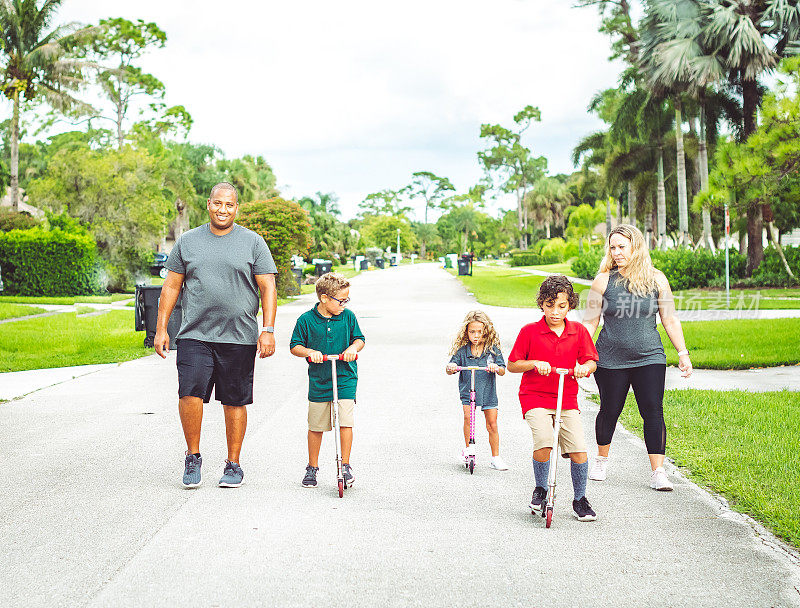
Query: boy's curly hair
<point x="554" y="285"/>
<point x="490" y="337"/>
<point x="330" y="284"/>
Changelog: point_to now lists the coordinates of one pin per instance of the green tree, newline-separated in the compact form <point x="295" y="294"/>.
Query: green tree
<point x="547" y="201"/>
<point x="39" y="64"/>
<point x="511" y="165"/>
<point x="583" y="220"/>
<point x="118" y="195"/>
<point x="252" y="176"/>
<point x="123" y="42"/>
<point x="385" y="202"/>
<point x="381" y="231"/>
<point x="432" y="189"/>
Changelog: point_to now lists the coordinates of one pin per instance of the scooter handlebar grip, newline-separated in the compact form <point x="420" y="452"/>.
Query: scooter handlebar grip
<point x="326" y="358"/>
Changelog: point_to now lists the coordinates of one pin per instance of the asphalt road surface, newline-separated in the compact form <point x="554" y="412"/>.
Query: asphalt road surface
<point x="92" y="512"/>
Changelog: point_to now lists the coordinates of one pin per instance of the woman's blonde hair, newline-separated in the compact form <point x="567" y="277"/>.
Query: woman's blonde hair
<point x="640" y="274"/>
<point x="490" y="337"/>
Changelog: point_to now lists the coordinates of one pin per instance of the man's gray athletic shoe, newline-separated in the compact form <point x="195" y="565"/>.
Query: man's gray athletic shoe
<point x="232" y="476"/>
<point x="191" y="472"/>
<point x="347" y="473"/>
<point x="310" y="480"/>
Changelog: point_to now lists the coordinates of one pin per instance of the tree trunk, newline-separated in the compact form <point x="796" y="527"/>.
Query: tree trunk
<point x="422" y="250"/>
<point x="755" y="248"/>
<point x="631" y="204"/>
<point x="755" y="245"/>
<point x="519" y="222"/>
<point x="15" y="153"/>
<point x="608" y="216"/>
<point x="702" y="156"/>
<point x="547" y="230"/>
<point x="661" y="204"/>
<point x="119" y="126"/>
<point x="772" y="234"/>
<point x="683" y="204"/>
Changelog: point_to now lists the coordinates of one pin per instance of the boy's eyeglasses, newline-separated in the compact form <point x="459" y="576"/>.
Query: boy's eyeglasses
<point x="341" y="302"/>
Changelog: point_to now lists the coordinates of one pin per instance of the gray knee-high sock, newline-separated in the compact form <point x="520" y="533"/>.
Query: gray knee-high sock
<point x="540" y="471"/>
<point x="579" y="474"/>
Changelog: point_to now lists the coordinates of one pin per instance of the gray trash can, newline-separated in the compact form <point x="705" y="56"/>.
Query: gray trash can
<point x="463" y="267"/>
<point x="364" y="265"/>
<point x="146" y="314"/>
<point x="379" y="263"/>
<point x="298" y="275"/>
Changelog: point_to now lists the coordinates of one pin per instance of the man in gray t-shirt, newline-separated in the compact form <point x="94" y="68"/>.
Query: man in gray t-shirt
<point x="225" y="270"/>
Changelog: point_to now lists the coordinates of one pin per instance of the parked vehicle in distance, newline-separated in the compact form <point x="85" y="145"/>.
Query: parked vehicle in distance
<point x="158" y="268"/>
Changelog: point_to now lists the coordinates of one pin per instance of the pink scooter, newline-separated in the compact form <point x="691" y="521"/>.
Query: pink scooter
<point x="335" y="421"/>
<point x="470" y="462"/>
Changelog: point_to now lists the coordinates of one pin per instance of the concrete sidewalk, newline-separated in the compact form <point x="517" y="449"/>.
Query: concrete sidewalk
<point x="93" y="513"/>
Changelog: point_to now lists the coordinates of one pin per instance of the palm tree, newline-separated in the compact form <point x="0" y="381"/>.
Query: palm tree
<point x="746" y="39"/>
<point x="39" y="62"/>
<point x="546" y="202"/>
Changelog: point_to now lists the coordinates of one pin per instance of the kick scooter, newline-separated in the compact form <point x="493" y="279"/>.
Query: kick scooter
<point x="335" y="421"/>
<point x="547" y="510"/>
<point x="470" y="462"/>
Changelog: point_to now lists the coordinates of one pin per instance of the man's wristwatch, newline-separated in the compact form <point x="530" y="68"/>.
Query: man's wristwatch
<point x="269" y="329"/>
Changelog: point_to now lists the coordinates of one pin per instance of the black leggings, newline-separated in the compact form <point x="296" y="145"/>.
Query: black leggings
<point x="648" y="388"/>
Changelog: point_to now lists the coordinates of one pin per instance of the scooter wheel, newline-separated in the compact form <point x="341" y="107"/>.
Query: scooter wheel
<point x="548" y="517"/>
<point x="471" y="466"/>
<point x="341" y="488"/>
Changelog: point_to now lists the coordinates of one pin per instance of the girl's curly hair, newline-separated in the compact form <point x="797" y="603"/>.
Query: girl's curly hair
<point x="554" y="285"/>
<point x="490" y="337"/>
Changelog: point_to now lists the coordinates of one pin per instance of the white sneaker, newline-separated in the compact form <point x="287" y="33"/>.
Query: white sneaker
<point x="598" y="472"/>
<point x="498" y="463"/>
<point x="660" y="481"/>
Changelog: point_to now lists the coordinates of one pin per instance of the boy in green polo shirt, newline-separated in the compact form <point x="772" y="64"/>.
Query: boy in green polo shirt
<point x="329" y="329"/>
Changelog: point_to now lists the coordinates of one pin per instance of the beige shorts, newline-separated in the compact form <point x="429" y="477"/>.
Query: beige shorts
<point x="319" y="414"/>
<point x="570" y="437"/>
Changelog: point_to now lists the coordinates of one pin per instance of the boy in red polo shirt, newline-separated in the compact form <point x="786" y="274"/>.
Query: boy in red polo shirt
<point x="554" y="342"/>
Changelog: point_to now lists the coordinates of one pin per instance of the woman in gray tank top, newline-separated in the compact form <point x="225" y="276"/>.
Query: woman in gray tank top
<point x="629" y="292"/>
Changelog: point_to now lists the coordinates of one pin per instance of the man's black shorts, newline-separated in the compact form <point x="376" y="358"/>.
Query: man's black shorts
<point x="205" y="365"/>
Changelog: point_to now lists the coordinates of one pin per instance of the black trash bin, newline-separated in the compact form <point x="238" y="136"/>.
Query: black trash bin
<point x="146" y="314"/>
<point x="393" y="261"/>
<point x="323" y="267"/>
<point x="364" y="264"/>
<point x="379" y="263"/>
<point x="463" y="267"/>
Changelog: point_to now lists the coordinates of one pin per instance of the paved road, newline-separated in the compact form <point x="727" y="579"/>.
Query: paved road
<point x="92" y="513"/>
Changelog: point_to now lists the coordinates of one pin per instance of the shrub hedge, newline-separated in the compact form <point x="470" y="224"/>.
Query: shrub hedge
<point x="11" y="220"/>
<point x="38" y="262"/>
<point x="528" y="258"/>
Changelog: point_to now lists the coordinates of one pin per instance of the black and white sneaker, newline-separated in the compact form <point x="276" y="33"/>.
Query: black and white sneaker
<point x="310" y="480"/>
<point x="583" y="510"/>
<point x="539" y="499"/>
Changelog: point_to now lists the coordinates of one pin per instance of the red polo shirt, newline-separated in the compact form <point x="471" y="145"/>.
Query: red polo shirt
<point x="536" y="341"/>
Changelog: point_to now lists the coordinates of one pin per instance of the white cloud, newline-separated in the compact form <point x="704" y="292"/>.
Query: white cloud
<point x="354" y="96"/>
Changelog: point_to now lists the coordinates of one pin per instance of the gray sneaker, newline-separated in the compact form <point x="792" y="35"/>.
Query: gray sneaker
<point x="232" y="476"/>
<point x="347" y="473"/>
<point x="191" y="473"/>
<point x="310" y="480"/>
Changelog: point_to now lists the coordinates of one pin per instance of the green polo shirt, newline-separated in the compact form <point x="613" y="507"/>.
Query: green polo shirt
<point x="330" y="336"/>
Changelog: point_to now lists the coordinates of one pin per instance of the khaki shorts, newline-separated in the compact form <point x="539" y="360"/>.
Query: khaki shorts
<point x="570" y="437"/>
<point x="319" y="414"/>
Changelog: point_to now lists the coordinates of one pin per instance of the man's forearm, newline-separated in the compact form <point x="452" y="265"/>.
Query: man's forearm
<point x="169" y="297"/>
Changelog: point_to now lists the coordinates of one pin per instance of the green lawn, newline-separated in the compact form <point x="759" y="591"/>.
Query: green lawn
<point x="63" y="340"/>
<point x="11" y="311"/>
<point x="739" y="444"/>
<point x="740" y="299"/>
<point x="499" y="286"/>
<point x="739" y="344"/>
<point x="67" y="300"/>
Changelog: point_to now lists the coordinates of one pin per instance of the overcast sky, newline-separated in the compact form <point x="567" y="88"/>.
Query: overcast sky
<point x="353" y="96"/>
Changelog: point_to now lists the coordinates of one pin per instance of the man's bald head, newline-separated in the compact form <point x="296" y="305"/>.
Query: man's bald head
<point x="224" y="186"/>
